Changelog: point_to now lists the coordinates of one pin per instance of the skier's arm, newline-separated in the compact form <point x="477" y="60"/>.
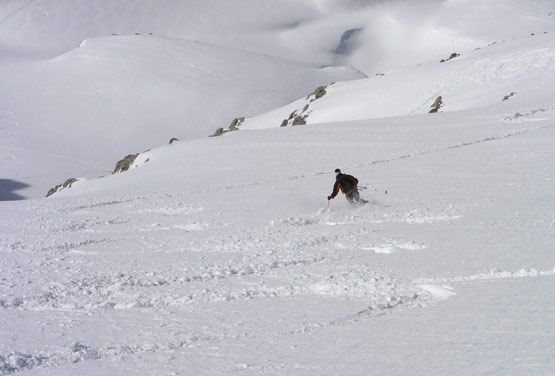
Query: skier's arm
<point x="335" y="190"/>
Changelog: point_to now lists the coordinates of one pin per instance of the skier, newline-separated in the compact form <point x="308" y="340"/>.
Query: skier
<point x="349" y="186"/>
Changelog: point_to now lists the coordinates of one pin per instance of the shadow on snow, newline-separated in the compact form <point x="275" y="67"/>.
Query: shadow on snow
<point x="8" y="190"/>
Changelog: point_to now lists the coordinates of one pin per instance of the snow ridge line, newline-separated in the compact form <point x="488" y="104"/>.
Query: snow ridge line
<point x="492" y="275"/>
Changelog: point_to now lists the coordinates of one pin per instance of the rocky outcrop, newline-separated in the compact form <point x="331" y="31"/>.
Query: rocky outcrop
<point x="292" y="115"/>
<point x="319" y="92"/>
<point x="438" y="103"/>
<point x="234" y="126"/>
<point x="299" y="120"/>
<point x="506" y="97"/>
<point x="299" y="116"/>
<point x="67" y="184"/>
<point x="218" y="132"/>
<point x="172" y="140"/>
<point x="125" y="163"/>
<point x="122" y="166"/>
<point x="451" y="57"/>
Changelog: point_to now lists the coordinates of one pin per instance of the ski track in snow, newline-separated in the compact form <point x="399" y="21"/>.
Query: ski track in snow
<point x="283" y="261"/>
<point x="398" y="158"/>
<point x="491" y="275"/>
<point x="96" y="166"/>
<point x="415" y="154"/>
<point x="17" y="10"/>
<point x="231" y="277"/>
<point x="289" y="258"/>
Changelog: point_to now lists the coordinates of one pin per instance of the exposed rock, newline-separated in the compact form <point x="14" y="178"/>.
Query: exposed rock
<point x="67" y="184"/>
<point x="124" y="164"/>
<point x="305" y="108"/>
<point x="319" y="92"/>
<point x="299" y="120"/>
<point x="506" y="97"/>
<point x="284" y="123"/>
<point x="235" y="123"/>
<point x="452" y="56"/>
<point x="292" y="115"/>
<point x="218" y="132"/>
<point x="173" y="139"/>
<point x="234" y="126"/>
<point x="436" y="105"/>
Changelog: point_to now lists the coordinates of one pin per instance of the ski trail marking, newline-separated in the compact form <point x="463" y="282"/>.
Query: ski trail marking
<point x="492" y="275"/>
<point x="388" y="160"/>
<point x="55" y="155"/>
<point x="13" y="13"/>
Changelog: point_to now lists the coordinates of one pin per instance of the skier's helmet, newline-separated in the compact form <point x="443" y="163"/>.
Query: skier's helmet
<point x="337" y="171"/>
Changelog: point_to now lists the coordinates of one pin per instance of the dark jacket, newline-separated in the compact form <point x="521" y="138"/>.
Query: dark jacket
<point x="346" y="183"/>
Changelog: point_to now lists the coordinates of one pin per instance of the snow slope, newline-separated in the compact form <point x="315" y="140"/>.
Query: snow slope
<point x="222" y="255"/>
<point x="142" y="77"/>
<point x="81" y="112"/>
<point x="480" y="78"/>
<point x="68" y="111"/>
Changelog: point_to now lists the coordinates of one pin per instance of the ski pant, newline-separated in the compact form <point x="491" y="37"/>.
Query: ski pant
<point x="353" y="197"/>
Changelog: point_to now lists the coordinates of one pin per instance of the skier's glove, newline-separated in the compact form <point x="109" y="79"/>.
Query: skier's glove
<point x="329" y="198"/>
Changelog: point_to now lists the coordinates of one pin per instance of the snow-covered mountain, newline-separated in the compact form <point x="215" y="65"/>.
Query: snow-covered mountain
<point x="84" y="83"/>
<point x="222" y="255"/>
<point x="78" y="113"/>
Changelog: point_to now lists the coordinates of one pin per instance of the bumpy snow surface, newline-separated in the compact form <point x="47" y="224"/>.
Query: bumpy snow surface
<point x="222" y="256"/>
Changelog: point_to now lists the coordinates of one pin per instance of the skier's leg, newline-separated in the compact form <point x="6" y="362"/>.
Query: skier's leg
<point x="358" y="199"/>
<point x="352" y="198"/>
<point x="355" y="200"/>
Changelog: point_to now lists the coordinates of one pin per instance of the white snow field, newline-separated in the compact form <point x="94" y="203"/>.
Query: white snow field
<point x="222" y="256"/>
